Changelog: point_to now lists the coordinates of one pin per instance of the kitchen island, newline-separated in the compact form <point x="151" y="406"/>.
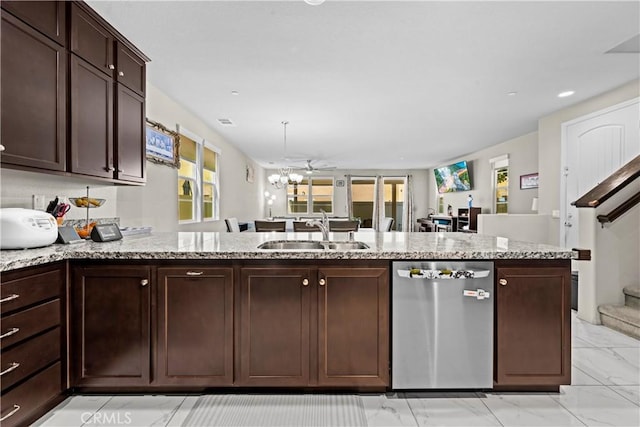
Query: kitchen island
<point x="170" y="312"/>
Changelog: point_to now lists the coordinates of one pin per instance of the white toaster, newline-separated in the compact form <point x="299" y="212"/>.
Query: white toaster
<point x="26" y="228"/>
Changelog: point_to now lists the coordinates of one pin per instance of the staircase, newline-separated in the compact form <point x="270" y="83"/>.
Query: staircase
<point x="624" y="318"/>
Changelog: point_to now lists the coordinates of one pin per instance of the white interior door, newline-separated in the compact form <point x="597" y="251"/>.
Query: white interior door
<point x="593" y="147"/>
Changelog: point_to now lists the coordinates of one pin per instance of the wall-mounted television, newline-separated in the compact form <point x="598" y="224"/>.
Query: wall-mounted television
<point x="452" y="178"/>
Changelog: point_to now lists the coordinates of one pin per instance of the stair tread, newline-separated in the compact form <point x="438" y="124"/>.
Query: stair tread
<point x="633" y="291"/>
<point x="621" y="312"/>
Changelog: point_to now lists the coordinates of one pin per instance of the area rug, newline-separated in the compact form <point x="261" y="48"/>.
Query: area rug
<point x="277" y="410"/>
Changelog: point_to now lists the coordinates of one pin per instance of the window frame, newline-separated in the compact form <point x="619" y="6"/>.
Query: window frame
<point x="198" y="188"/>
<point x="309" y="186"/>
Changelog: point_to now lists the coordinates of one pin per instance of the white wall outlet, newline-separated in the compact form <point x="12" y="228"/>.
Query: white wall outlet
<point x="555" y="214"/>
<point x="38" y="202"/>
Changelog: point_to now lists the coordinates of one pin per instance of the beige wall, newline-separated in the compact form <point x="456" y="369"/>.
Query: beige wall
<point x="523" y="159"/>
<point x="156" y="203"/>
<point x="549" y="144"/>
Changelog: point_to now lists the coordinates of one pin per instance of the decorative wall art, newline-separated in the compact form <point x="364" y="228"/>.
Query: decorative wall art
<point x="528" y="181"/>
<point x="162" y="144"/>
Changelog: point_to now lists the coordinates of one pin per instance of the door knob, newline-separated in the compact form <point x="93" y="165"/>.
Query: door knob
<point x="503" y="282"/>
<point x="322" y="282"/>
<point x="305" y="282"/>
<point x="144" y="282"/>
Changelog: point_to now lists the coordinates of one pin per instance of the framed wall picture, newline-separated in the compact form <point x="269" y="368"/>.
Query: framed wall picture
<point x="162" y="144"/>
<point x="528" y="181"/>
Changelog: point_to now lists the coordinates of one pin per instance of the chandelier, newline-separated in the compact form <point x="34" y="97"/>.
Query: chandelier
<point x="285" y="175"/>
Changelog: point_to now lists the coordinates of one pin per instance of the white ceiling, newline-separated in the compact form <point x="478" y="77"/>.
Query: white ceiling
<point x="371" y="84"/>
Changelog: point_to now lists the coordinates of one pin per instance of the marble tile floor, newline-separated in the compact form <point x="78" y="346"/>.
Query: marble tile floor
<point x="605" y="391"/>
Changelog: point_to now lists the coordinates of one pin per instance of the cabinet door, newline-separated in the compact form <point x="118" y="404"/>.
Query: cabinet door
<point x="533" y="326"/>
<point x="91" y="120"/>
<point x="110" y="326"/>
<point x="195" y="326"/>
<point x="274" y="326"/>
<point x="131" y="69"/>
<point x="48" y="17"/>
<point x="130" y="147"/>
<point x="91" y="41"/>
<point x="353" y="326"/>
<point x="33" y="73"/>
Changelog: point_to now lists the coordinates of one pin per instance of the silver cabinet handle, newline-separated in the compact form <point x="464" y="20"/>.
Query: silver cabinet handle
<point x="111" y="67"/>
<point x="121" y="73"/>
<point x="144" y="282"/>
<point x="305" y="282"/>
<point x="11" y="332"/>
<point x="195" y="273"/>
<point x="503" y="282"/>
<point x="109" y="168"/>
<point x="12" y="367"/>
<point x="322" y="282"/>
<point x="10" y="298"/>
<point x="16" y="408"/>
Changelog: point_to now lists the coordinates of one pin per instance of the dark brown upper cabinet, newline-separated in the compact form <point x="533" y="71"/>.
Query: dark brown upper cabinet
<point x="34" y="97"/>
<point x="78" y="109"/>
<point x="130" y="148"/>
<point x="91" y="120"/>
<point x="48" y="17"/>
<point x="91" y="41"/>
<point x="130" y="69"/>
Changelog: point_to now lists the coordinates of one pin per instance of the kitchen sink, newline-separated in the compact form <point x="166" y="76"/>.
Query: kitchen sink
<point x="312" y="244"/>
<point x="346" y="246"/>
<point x="288" y="244"/>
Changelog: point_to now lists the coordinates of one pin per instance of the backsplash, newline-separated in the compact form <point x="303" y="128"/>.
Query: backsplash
<point x="18" y="187"/>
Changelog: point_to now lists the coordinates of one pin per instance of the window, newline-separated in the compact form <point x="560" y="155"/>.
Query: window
<point x="310" y="196"/>
<point x="500" y="183"/>
<point x="362" y="196"/>
<point x="198" y="186"/>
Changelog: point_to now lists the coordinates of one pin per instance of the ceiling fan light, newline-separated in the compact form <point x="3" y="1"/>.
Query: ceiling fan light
<point x="284" y="179"/>
<point x="309" y="171"/>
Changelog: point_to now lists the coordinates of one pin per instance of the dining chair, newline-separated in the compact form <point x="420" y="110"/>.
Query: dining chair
<point x="270" y="225"/>
<point x="302" y="226"/>
<point x="342" y="226"/>
<point x="386" y="224"/>
<point x="232" y="225"/>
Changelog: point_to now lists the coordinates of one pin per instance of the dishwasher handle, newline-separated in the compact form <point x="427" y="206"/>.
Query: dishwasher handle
<point x="477" y="294"/>
<point x="440" y="274"/>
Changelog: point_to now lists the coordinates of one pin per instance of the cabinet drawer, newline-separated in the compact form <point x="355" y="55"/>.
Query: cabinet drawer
<point x="27" y="358"/>
<point x="22" y="401"/>
<point x="24" y="291"/>
<point x="24" y="324"/>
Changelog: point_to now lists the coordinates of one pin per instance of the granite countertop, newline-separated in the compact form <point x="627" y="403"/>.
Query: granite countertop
<point x="211" y="245"/>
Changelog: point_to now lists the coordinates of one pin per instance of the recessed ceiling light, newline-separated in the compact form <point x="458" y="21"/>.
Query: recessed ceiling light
<point x="314" y="2"/>
<point x="512" y="93"/>
<point x="566" y="93"/>
<point x="235" y="92"/>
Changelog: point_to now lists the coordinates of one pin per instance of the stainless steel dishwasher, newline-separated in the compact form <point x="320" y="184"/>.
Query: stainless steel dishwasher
<point x="442" y="325"/>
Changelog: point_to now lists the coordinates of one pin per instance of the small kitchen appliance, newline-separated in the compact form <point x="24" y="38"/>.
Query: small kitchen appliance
<point x="26" y="228"/>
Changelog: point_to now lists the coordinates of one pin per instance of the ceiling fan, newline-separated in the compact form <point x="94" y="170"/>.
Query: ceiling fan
<point x="309" y="168"/>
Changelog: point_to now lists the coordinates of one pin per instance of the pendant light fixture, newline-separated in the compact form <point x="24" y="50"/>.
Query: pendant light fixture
<point x="285" y="175"/>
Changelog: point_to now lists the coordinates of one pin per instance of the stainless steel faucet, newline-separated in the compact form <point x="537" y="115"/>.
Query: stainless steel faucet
<point x="323" y="225"/>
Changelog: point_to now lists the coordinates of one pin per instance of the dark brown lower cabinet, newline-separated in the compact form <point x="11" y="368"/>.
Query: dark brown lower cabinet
<point x="111" y="326"/>
<point x="353" y="326"/>
<point x="309" y="325"/>
<point x="195" y="326"/>
<point x="274" y="326"/>
<point x="533" y="325"/>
